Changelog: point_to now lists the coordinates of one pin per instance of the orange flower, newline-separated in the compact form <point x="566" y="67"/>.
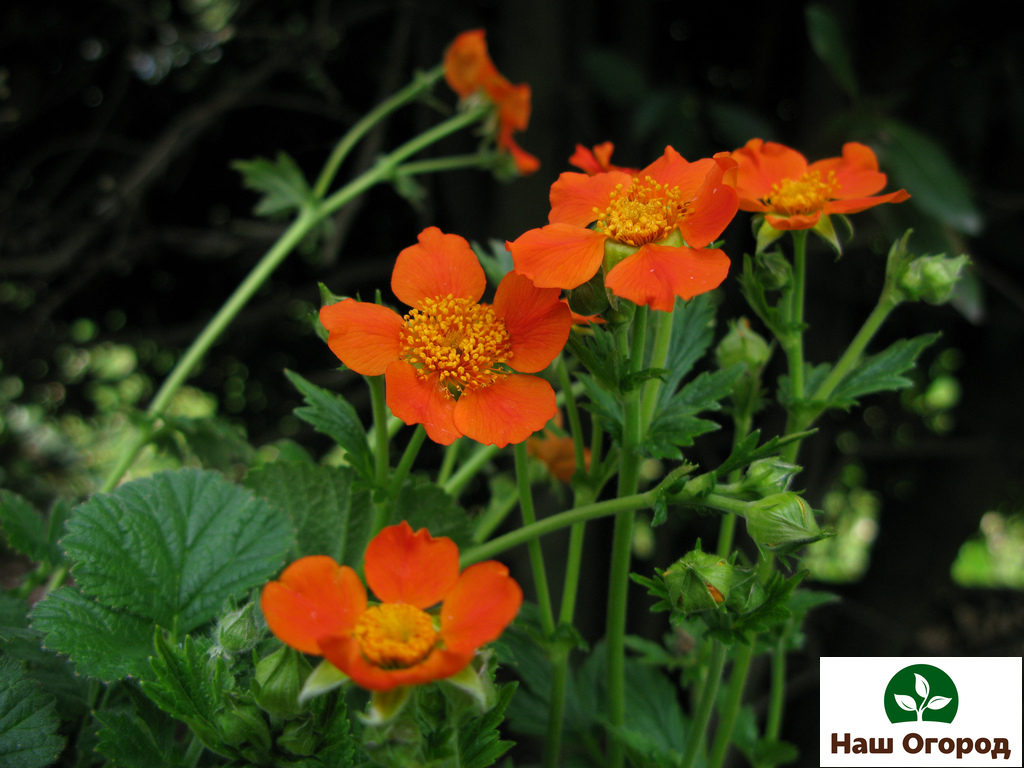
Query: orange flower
<point x="557" y="452"/>
<point x="452" y="364"/>
<point x="647" y="215"/>
<point x="469" y="71"/>
<point x="596" y="160"/>
<point x="321" y="608"/>
<point x="777" y="181"/>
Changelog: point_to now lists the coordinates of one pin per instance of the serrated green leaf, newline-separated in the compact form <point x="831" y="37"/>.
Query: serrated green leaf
<point x="883" y="371"/>
<point x="814" y="375"/>
<point x="175" y="546"/>
<point x="332" y="415"/>
<point x="693" y="329"/>
<point x="128" y="739"/>
<point x="677" y="425"/>
<point x="479" y="742"/>
<point x="23" y="527"/>
<point x="827" y="41"/>
<point x="923" y="167"/>
<point x="102" y="642"/>
<point x="747" y="450"/>
<point x="28" y="720"/>
<point x="424" y="504"/>
<point x="330" y="516"/>
<point x="281" y="181"/>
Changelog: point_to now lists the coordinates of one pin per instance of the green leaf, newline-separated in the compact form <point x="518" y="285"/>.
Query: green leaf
<point x="332" y="415"/>
<point x="104" y="643"/>
<point x="330" y="516"/>
<point x="677" y="425"/>
<point x="693" y="329"/>
<point x="24" y="528"/>
<point x="281" y="181"/>
<point x="175" y="546"/>
<point x="919" y="164"/>
<point x="28" y="720"/>
<point x="424" y="504"/>
<point x="129" y="738"/>
<point x="883" y="371"/>
<point x="479" y="741"/>
<point x="827" y="41"/>
<point x="215" y="443"/>
<point x="748" y="450"/>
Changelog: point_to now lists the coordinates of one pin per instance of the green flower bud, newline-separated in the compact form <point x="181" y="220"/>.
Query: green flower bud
<point x="768" y="476"/>
<point x="744" y="345"/>
<point x="932" y="278"/>
<point x="782" y="522"/>
<point x="279" y="679"/>
<point x="299" y="737"/>
<point x="240" y="630"/>
<point x="614" y="252"/>
<point x="773" y="270"/>
<point x="244" y="725"/>
<point x="698" y="581"/>
<point x="589" y="298"/>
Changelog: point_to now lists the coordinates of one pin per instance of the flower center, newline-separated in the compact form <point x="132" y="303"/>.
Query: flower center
<point x="395" y="635"/>
<point x="644" y="212"/>
<point x="458" y="339"/>
<point x="807" y="194"/>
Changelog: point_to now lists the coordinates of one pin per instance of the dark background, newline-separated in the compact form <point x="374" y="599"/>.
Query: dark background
<point x="119" y="119"/>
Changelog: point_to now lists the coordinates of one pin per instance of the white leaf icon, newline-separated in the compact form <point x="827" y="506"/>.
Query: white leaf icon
<point x="921" y="686"/>
<point x="905" y="702"/>
<point x="938" y="702"/>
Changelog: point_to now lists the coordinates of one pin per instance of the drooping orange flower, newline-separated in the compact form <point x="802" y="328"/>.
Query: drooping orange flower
<point x="556" y="451"/>
<point x="321" y="608"/>
<point x="597" y="159"/>
<point x="452" y="364"/>
<point x="647" y="215"/>
<point x="777" y="181"/>
<point x="470" y="72"/>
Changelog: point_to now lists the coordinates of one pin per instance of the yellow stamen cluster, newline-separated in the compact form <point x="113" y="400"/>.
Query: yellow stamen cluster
<point x="395" y="635"/>
<point x="459" y="340"/>
<point x="807" y="194"/>
<point x="644" y="212"/>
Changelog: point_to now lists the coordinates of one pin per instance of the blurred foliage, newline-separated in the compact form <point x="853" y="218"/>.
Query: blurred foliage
<point x="994" y="557"/>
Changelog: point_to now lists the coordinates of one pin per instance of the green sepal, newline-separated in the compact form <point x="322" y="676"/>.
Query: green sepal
<point x="823" y="228"/>
<point x="385" y="705"/>
<point x="476" y="683"/>
<point x="765" y="233"/>
<point x="324" y="678"/>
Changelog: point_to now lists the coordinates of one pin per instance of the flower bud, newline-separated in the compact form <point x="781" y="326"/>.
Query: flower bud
<point x="769" y="476"/>
<point x="932" y="278"/>
<point x="744" y="345"/>
<point x="589" y="298"/>
<point x="243" y="724"/>
<point x="773" y="270"/>
<point x="279" y="679"/>
<point x="781" y="523"/>
<point x="239" y="630"/>
<point x="698" y="581"/>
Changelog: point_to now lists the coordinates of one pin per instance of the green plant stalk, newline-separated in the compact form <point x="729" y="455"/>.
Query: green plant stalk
<point x="733" y="700"/>
<point x="622" y="540"/>
<point x="422" y="82"/>
<point x="492" y="517"/>
<point x="308" y="217"/>
<point x="412" y="449"/>
<point x="777" y="692"/>
<point x="469" y="469"/>
<point x="434" y="164"/>
<point x="540" y="578"/>
<point x="381" y="437"/>
<point x="451" y="453"/>
<point x="702" y="714"/>
<point x="659" y="354"/>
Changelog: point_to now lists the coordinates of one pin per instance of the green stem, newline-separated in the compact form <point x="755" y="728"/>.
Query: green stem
<point x="731" y="705"/>
<point x="381" y="436"/>
<point x="540" y="577"/>
<point x="492" y="517"/>
<point x="793" y="343"/>
<point x="421" y="82"/>
<point x="451" y="453"/>
<point x="659" y="355"/>
<point x="385" y="509"/>
<point x="454" y="162"/>
<point x="622" y="540"/>
<point x="572" y="411"/>
<point x="702" y="714"/>
<point x="480" y="456"/>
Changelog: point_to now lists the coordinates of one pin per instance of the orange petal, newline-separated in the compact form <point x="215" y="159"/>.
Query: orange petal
<point x="467" y="64"/>
<point x="479" y="607"/>
<point x="761" y="164"/>
<point x="856" y="205"/>
<point x="574" y="196"/>
<point x="365" y="337"/>
<point x="856" y="171"/>
<point x="508" y="411"/>
<point x="537" y="322"/>
<point x="414" y="568"/>
<point x="712" y="207"/>
<point x="314" y="597"/>
<point x="558" y="255"/>
<point x="344" y="653"/>
<point x="418" y="400"/>
<point x="438" y="265"/>
<point x="656" y="274"/>
<point x="593" y="161"/>
<point x="796" y="221"/>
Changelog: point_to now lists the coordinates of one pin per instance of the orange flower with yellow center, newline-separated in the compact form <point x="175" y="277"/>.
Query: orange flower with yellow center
<point x="322" y="608"/>
<point x="777" y="181"/>
<point x="648" y="215"/>
<point x="452" y="364"/>
<point x="470" y="72"/>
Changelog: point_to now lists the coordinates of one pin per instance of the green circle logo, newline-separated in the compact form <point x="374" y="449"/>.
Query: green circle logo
<point x="919" y="693"/>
